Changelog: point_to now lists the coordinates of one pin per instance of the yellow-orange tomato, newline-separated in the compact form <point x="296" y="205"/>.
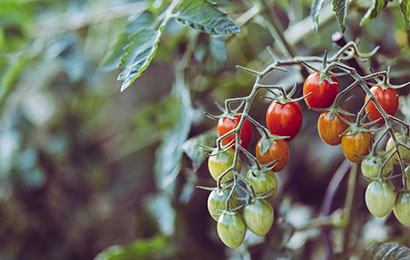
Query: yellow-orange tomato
<point x="356" y="146"/>
<point x="278" y="150"/>
<point x="330" y="130"/>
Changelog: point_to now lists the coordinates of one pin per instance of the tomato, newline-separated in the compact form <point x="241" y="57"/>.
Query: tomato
<point x="356" y="146"/>
<point x="278" y="150"/>
<point x="263" y="182"/>
<point x="284" y="120"/>
<point x="407" y="171"/>
<point x="380" y="198"/>
<point x="402" y="208"/>
<point x="330" y="130"/>
<point x="218" y="163"/>
<point x="371" y="167"/>
<point x="217" y="202"/>
<point x="323" y="94"/>
<point x="388" y="100"/>
<point x="259" y="217"/>
<point x="226" y="124"/>
<point x="231" y="229"/>
<point x="404" y="153"/>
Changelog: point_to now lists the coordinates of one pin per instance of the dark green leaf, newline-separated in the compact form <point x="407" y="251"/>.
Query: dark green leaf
<point x="205" y="16"/>
<point x="375" y="10"/>
<point x="387" y="251"/>
<point x="340" y="9"/>
<point x="405" y="9"/>
<point x="314" y="12"/>
<point x="195" y="152"/>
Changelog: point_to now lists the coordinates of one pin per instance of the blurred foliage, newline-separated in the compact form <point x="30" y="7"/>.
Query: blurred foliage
<point x="84" y="167"/>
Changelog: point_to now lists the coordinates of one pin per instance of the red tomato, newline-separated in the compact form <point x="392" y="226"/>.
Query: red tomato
<point x="388" y="100"/>
<point x="323" y="94"/>
<point x="284" y="120"/>
<point x="330" y="130"/>
<point x="278" y="150"/>
<point x="226" y="124"/>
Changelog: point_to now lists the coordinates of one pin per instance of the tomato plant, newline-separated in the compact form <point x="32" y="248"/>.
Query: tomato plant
<point x="259" y="217"/>
<point x="263" y="182"/>
<point x="323" y="94"/>
<point x="219" y="162"/>
<point x="356" y="145"/>
<point x="380" y="198"/>
<point x="388" y="100"/>
<point x="330" y="129"/>
<point x="284" y="119"/>
<point x="402" y="208"/>
<point x="277" y="154"/>
<point x="231" y="229"/>
<point x="227" y="124"/>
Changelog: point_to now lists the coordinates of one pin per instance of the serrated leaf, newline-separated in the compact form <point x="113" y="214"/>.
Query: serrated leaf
<point x="375" y="10"/>
<point x="387" y="251"/>
<point x="205" y="16"/>
<point x="405" y="9"/>
<point x="195" y="152"/>
<point x="340" y="9"/>
<point x="314" y="13"/>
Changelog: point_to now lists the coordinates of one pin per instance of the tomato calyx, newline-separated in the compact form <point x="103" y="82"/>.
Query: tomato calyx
<point x="385" y="83"/>
<point x="381" y="162"/>
<point x="282" y="98"/>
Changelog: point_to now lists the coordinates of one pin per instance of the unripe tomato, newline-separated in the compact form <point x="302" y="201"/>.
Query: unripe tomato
<point x="217" y="202"/>
<point x="220" y="162"/>
<point x="226" y="124"/>
<point x="356" y="146"/>
<point x="407" y="171"/>
<point x="371" y="167"/>
<point x="402" y="208"/>
<point x="388" y="100"/>
<point x="323" y="94"/>
<point x="231" y="229"/>
<point x="380" y="198"/>
<point x="278" y="150"/>
<point x="404" y="153"/>
<point x="330" y="130"/>
<point x="259" y="217"/>
<point x="263" y="182"/>
<point x="284" y="120"/>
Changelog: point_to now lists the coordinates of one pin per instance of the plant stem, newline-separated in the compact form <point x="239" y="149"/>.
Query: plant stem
<point x="349" y="205"/>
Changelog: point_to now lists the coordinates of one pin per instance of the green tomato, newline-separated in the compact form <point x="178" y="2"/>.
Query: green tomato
<point x="407" y="171"/>
<point x="371" y="167"/>
<point x="380" y="198"/>
<point x="220" y="162"/>
<point x="259" y="217"/>
<point x="217" y="202"/>
<point x="405" y="154"/>
<point x="231" y="229"/>
<point x="402" y="208"/>
<point x="263" y="182"/>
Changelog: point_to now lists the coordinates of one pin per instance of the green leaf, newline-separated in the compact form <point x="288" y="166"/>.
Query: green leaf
<point x="205" y="16"/>
<point x="387" y="251"/>
<point x="340" y="9"/>
<point x="211" y="52"/>
<point x="314" y="13"/>
<point x="405" y="9"/>
<point x="195" y="152"/>
<point x="376" y="9"/>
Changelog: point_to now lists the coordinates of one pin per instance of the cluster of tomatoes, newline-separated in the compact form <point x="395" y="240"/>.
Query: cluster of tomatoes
<point x="284" y="121"/>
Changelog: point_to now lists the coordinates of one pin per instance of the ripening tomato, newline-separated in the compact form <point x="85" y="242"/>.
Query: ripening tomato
<point x="356" y="146"/>
<point x="231" y="229"/>
<point x="263" y="182"/>
<point x="217" y="202"/>
<point x="402" y="208"/>
<point x="380" y="198"/>
<point x="323" y="94"/>
<point x="330" y="130"/>
<point x="388" y="100"/>
<point x="372" y="166"/>
<point x="227" y="124"/>
<point x="284" y="120"/>
<point x="218" y="163"/>
<point x="259" y="217"/>
<point x="278" y="150"/>
<point x="404" y="153"/>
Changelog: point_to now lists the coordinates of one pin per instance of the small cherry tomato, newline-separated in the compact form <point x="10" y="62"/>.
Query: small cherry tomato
<point x="259" y="217"/>
<point x="371" y="167"/>
<point x="380" y="198"/>
<point x="263" y="182"/>
<point x="284" y="120"/>
<point x="217" y="202"/>
<point x="356" y="146"/>
<point x="404" y="153"/>
<point x="323" y="94"/>
<point x="407" y="171"/>
<point x="220" y="162"/>
<point x="402" y="208"/>
<point x="330" y="130"/>
<point x="388" y="100"/>
<point x="231" y="229"/>
<point x="278" y="150"/>
<point x="226" y="124"/>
